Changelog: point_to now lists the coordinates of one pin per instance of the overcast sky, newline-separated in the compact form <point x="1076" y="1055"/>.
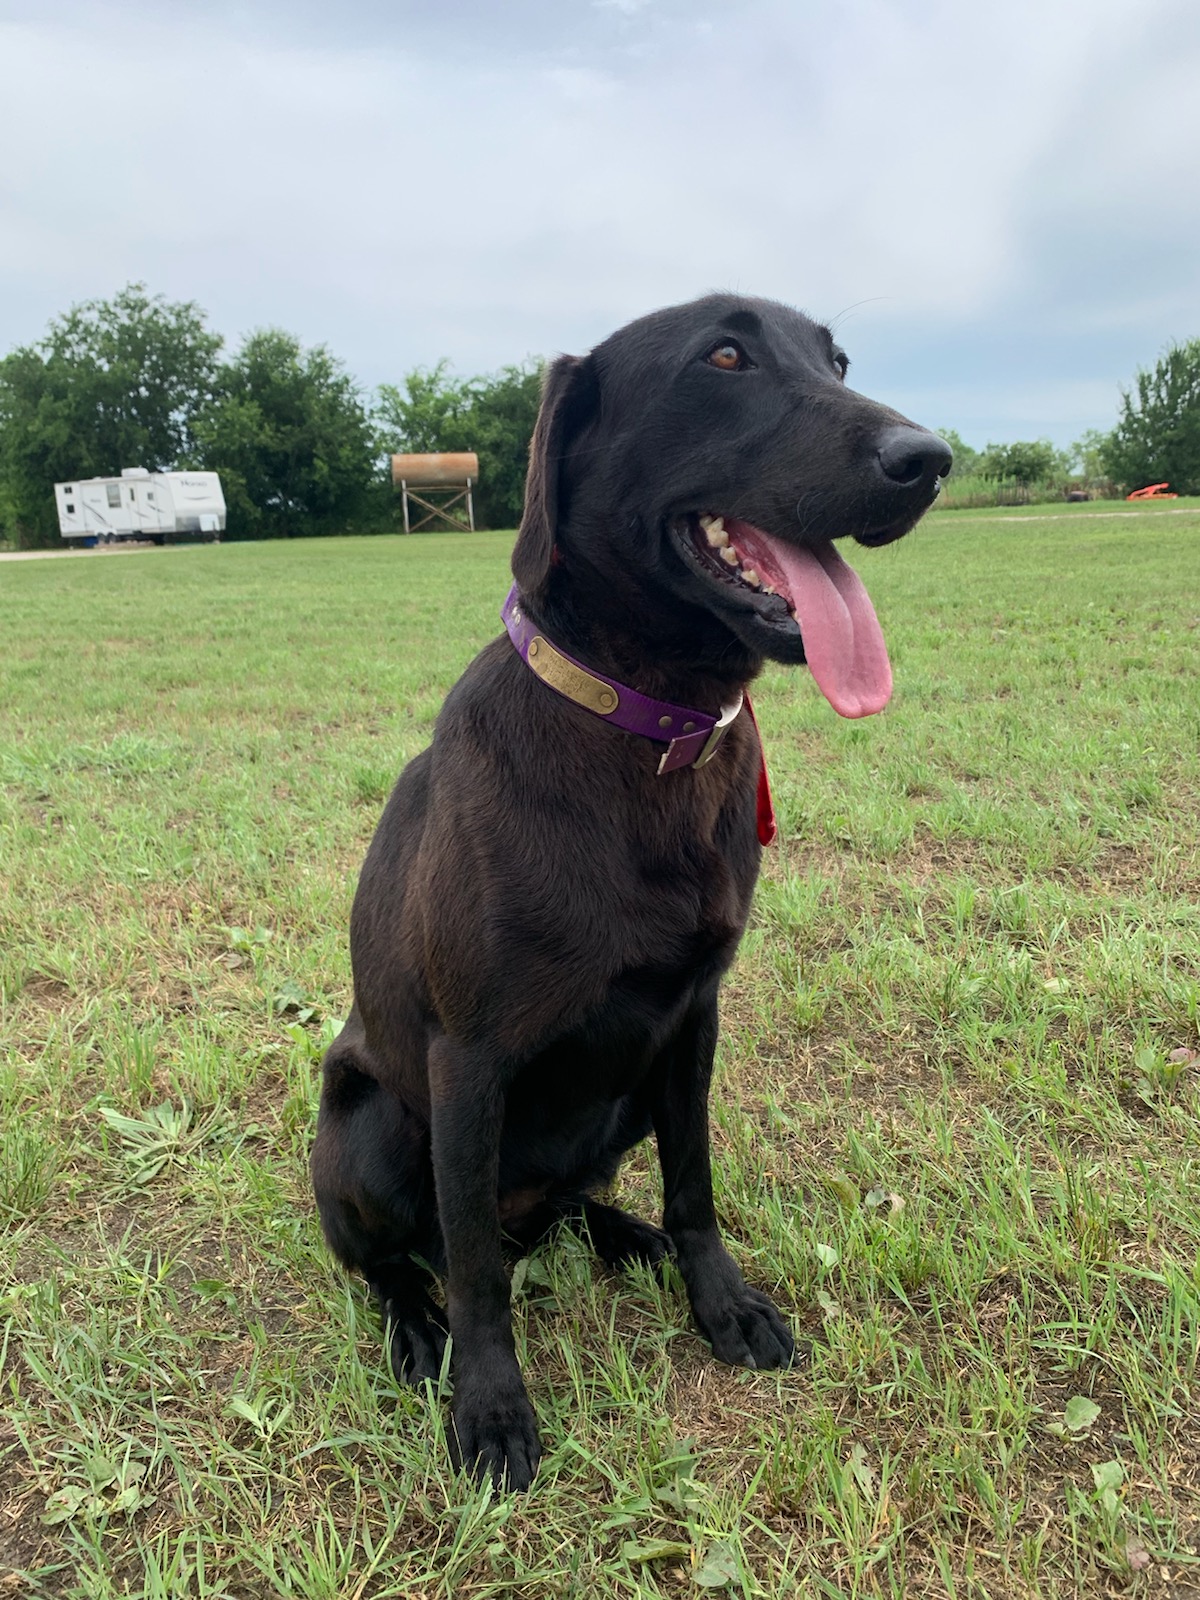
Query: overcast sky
<point x="998" y="201"/>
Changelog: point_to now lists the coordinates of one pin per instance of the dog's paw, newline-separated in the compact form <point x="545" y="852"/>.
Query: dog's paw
<point x="745" y="1330"/>
<point x="620" y="1238"/>
<point x="416" y="1340"/>
<point x="496" y="1437"/>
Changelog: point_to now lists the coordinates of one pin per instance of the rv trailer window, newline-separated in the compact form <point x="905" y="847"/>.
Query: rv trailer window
<point x="131" y="496"/>
<point x="150" y="496"/>
<point x="113" y="491"/>
<point x="70" y="510"/>
<point x="66" y="489"/>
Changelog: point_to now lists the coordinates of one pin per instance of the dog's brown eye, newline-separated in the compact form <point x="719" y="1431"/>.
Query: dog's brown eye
<point x="729" y="357"/>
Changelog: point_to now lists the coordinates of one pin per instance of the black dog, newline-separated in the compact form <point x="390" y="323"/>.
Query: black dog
<point x="545" y="913"/>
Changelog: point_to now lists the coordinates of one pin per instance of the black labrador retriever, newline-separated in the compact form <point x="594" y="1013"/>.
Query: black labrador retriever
<point x="560" y="880"/>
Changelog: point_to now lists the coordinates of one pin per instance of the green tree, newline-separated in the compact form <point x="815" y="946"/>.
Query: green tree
<point x="423" y="415"/>
<point x="1027" y="462"/>
<point x="492" y="415"/>
<point x="966" y="459"/>
<point x="113" y="383"/>
<point x="287" y="431"/>
<point x="1157" y="436"/>
<point x="504" y="411"/>
<point x="1086" y="456"/>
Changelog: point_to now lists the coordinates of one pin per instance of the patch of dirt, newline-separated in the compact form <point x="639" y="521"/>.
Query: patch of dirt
<point x="46" y="992"/>
<point x="22" y="1540"/>
<point x="929" y="857"/>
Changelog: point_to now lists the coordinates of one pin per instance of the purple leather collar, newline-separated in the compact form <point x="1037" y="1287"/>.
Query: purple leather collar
<point x="692" y="737"/>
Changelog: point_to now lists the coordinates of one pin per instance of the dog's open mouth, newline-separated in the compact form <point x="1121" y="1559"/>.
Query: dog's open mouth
<point x="803" y="587"/>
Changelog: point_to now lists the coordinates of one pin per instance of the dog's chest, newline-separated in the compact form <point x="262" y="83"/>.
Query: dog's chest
<point x="668" y="897"/>
<point x="698" y="880"/>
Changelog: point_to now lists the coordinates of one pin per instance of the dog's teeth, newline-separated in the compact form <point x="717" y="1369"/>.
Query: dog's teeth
<point x="706" y="521"/>
<point x="717" y="538"/>
<point x="768" y="588"/>
<point x="728" y="553"/>
<point x="717" y="524"/>
<point x="750" y="575"/>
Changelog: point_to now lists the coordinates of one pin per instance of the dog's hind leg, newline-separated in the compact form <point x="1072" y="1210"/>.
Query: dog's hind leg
<point x="374" y="1186"/>
<point x="618" y="1237"/>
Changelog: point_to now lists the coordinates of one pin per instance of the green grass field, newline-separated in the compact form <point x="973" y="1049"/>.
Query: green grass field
<point x="956" y="1125"/>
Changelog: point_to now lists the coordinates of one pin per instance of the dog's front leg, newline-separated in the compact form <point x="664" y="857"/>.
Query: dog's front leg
<point x="741" y="1324"/>
<point x="494" y="1432"/>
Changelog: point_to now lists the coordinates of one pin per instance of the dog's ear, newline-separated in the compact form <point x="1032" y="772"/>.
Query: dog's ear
<point x="568" y="400"/>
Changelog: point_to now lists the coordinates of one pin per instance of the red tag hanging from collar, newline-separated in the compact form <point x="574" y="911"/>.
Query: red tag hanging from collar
<point x="765" y="812"/>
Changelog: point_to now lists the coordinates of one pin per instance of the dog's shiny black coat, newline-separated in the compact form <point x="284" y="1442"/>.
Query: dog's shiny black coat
<point x="542" y="922"/>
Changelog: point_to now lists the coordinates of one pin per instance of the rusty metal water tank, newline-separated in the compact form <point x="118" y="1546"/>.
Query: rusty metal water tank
<point x="432" y="471"/>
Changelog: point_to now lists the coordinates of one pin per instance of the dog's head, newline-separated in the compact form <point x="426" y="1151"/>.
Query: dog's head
<point x="709" y="455"/>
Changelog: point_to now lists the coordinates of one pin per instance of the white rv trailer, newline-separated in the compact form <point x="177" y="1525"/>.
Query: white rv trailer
<point x="141" y="505"/>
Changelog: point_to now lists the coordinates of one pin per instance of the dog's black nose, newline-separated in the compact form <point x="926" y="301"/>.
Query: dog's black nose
<point x="910" y="456"/>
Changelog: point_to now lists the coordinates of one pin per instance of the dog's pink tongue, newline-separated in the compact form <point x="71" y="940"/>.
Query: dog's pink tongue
<point x="843" y="642"/>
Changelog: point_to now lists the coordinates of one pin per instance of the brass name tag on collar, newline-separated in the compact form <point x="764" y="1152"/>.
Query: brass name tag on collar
<point x="571" y="680"/>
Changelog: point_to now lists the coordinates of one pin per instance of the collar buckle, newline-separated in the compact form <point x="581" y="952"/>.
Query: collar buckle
<point x="679" y="752"/>
<point x="723" y="724"/>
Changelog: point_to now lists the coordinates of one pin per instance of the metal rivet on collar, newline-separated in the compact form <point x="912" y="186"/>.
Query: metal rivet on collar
<point x="664" y="722"/>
